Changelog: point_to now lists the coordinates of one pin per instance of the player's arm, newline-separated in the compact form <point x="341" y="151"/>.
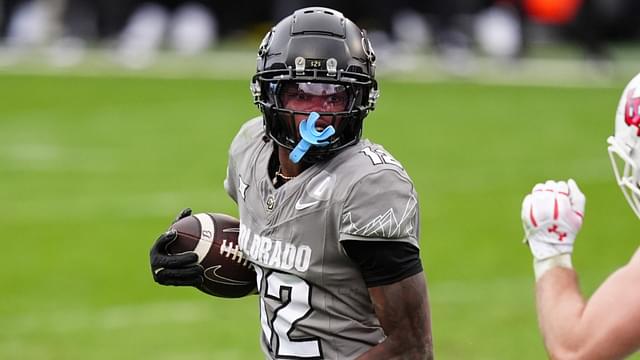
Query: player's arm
<point x="393" y="273"/>
<point x="388" y="258"/>
<point x="607" y="326"/>
<point x="403" y="311"/>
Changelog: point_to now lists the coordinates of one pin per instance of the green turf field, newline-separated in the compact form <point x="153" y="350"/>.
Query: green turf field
<point x="92" y="169"/>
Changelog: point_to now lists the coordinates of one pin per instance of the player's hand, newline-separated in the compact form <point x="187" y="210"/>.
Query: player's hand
<point x="179" y="269"/>
<point x="552" y="217"/>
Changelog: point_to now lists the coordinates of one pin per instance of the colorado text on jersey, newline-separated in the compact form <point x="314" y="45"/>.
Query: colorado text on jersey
<point x="273" y="253"/>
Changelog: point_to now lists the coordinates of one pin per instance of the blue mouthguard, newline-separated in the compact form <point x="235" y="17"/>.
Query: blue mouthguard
<point x="310" y="136"/>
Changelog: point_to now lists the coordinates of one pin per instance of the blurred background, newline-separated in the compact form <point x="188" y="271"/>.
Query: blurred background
<point x="460" y="35"/>
<point x="116" y="114"/>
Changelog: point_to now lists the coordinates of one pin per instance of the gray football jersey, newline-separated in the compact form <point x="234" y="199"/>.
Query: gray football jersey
<point x="313" y="301"/>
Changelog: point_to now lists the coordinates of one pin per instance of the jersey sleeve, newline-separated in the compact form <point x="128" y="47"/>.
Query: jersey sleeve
<point x="381" y="206"/>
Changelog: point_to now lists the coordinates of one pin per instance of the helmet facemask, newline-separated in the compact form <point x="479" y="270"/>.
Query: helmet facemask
<point x="627" y="171"/>
<point x="283" y="116"/>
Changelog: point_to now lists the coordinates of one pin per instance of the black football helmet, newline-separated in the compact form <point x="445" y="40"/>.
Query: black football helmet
<point x="315" y="45"/>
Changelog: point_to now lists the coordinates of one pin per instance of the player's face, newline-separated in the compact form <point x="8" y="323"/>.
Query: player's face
<point x="318" y="97"/>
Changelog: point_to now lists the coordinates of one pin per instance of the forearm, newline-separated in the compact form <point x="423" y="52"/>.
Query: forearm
<point x="403" y="310"/>
<point x="560" y="308"/>
<point x="392" y="348"/>
<point x="604" y="327"/>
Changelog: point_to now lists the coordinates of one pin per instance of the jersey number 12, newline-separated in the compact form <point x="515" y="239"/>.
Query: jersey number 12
<point x="294" y="295"/>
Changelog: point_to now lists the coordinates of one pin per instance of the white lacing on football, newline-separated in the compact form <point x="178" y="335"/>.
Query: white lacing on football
<point x="234" y="251"/>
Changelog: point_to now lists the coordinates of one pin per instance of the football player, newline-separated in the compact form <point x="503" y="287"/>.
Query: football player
<point x="606" y="326"/>
<point x="330" y="221"/>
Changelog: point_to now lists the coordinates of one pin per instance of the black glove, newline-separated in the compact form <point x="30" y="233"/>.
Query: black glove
<point x="176" y="270"/>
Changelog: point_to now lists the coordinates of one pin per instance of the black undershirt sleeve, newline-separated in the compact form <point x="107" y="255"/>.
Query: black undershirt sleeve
<point x="383" y="262"/>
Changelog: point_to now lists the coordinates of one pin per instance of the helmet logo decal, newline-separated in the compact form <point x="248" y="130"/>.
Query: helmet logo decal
<point x="368" y="49"/>
<point x="632" y="109"/>
<point x="300" y="65"/>
<point x="265" y="44"/>
<point x="310" y="136"/>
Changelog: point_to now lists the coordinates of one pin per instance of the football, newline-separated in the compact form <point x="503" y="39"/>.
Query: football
<point x="214" y="238"/>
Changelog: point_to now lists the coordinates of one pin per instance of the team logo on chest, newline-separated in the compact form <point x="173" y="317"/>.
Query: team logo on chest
<point x="271" y="202"/>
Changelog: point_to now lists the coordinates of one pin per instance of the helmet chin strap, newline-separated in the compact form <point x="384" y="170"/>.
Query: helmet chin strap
<point x="310" y="137"/>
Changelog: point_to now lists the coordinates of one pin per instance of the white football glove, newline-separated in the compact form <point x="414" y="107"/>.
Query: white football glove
<point x="552" y="217"/>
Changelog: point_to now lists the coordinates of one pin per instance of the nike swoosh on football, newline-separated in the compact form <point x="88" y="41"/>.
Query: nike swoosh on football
<point x="301" y="206"/>
<point x="212" y="274"/>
